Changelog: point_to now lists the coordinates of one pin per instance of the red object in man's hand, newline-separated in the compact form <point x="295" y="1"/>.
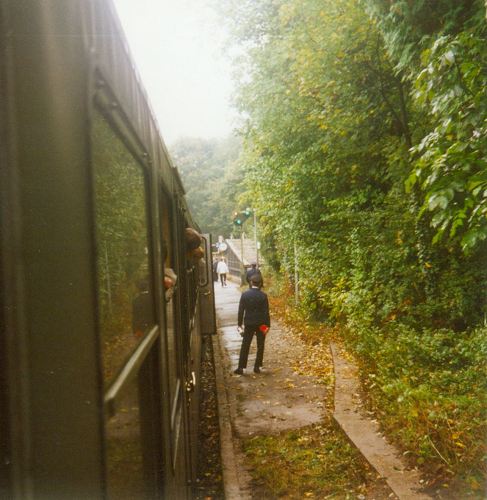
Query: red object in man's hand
<point x="264" y="329"/>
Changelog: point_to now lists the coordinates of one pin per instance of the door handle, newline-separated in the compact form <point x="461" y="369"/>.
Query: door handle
<point x="191" y="384"/>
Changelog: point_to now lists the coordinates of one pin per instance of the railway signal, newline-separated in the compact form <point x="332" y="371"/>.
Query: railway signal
<point x="237" y="220"/>
<point x="240" y="217"/>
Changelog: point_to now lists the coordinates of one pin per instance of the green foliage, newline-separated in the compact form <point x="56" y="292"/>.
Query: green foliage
<point x="315" y="462"/>
<point x="451" y="159"/>
<point x="211" y="175"/>
<point x="347" y="103"/>
<point x="439" y="46"/>
<point x="408" y="25"/>
<point x="431" y="384"/>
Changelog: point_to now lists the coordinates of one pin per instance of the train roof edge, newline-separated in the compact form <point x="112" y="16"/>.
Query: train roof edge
<point x="122" y="84"/>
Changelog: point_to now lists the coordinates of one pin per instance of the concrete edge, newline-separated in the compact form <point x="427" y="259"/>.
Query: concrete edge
<point x="391" y="483"/>
<point x="231" y="483"/>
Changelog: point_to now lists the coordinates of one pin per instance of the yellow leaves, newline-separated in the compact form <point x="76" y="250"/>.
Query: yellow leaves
<point x="473" y="483"/>
<point x="317" y="363"/>
<point x="286" y="13"/>
<point x="413" y="412"/>
<point x="288" y="186"/>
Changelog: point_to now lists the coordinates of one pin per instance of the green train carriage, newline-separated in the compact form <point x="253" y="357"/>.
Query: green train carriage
<point x="99" y="360"/>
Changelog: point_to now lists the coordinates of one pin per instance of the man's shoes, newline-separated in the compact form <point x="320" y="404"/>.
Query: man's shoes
<point x="256" y="370"/>
<point x="238" y="371"/>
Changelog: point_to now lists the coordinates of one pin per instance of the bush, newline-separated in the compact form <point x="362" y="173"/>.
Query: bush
<point x="430" y="388"/>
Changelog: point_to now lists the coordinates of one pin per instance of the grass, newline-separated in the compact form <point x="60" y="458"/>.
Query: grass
<point x="311" y="462"/>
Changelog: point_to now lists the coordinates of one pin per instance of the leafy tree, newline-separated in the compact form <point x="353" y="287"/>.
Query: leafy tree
<point x="211" y="176"/>
<point x="347" y="103"/>
<point x="439" y="46"/>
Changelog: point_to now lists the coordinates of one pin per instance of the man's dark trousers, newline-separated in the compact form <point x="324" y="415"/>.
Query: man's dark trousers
<point x="249" y="332"/>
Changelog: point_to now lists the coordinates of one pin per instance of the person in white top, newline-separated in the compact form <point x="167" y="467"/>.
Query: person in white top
<point x="222" y="270"/>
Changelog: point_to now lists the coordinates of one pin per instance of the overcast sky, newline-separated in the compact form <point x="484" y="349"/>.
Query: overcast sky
<point x="176" y="45"/>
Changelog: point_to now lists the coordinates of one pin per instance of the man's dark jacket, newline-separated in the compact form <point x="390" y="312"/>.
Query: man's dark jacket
<point x="253" y="309"/>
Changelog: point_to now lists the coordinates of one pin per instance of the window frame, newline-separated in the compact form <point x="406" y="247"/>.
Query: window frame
<point x="146" y="358"/>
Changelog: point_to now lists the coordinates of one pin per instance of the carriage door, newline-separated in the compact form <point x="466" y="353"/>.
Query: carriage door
<point x="174" y="284"/>
<point x="192" y="360"/>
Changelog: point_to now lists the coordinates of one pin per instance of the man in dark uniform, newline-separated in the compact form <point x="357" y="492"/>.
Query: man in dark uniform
<point x="253" y="312"/>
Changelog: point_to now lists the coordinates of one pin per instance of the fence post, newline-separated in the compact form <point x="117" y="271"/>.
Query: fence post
<point x="242" y="267"/>
<point x="296" y="274"/>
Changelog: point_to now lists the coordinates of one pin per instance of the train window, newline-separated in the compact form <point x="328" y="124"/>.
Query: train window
<point x="170" y="264"/>
<point x="125" y="300"/>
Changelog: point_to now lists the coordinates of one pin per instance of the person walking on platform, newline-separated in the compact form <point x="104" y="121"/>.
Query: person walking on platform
<point x="253" y="313"/>
<point x="222" y="270"/>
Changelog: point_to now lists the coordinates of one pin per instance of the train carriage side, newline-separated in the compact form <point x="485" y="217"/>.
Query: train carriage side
<point x="101" y="317"/>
